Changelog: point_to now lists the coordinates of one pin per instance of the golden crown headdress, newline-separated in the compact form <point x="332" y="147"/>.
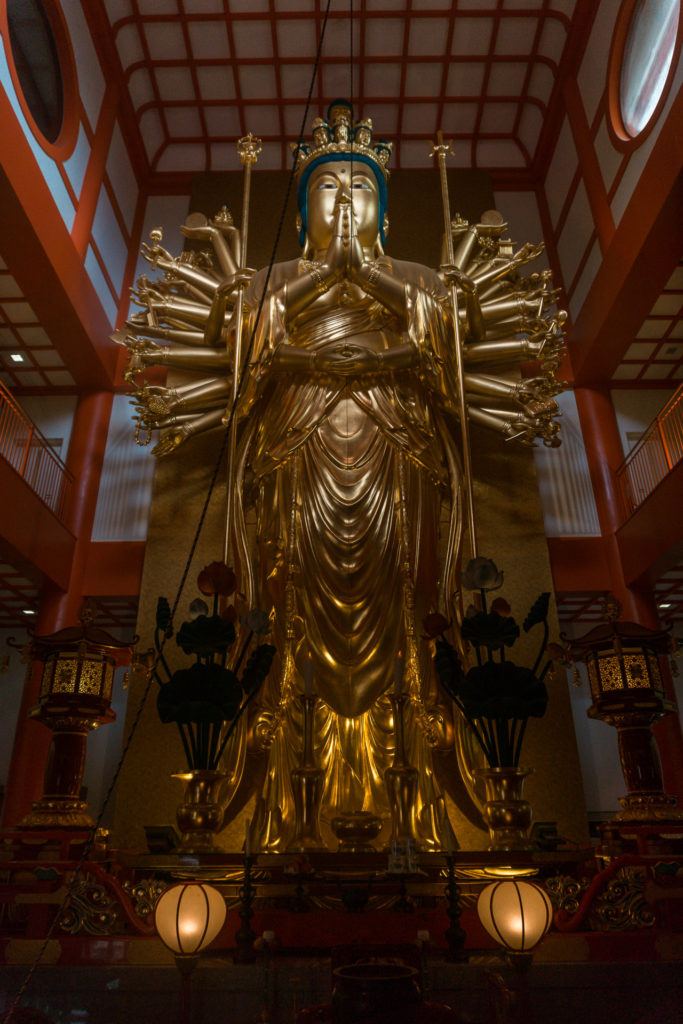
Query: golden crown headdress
<point x="337" y="135"/>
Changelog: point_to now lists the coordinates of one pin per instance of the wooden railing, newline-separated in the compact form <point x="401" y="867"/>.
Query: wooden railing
<point x="30" y="454"/>
<point x="658" y="451"/>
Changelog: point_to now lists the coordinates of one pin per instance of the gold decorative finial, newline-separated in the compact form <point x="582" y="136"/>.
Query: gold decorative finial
<point x="249" y="148"/>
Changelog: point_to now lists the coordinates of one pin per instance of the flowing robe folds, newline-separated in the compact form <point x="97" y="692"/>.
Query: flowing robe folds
<point x="348" y="476"/>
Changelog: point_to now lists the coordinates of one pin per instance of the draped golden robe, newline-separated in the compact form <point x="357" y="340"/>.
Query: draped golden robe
<point x="348" y="477"/>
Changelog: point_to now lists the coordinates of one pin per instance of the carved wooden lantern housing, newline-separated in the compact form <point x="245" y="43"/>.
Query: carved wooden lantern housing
<point x="78" y="665"/>
<point x="625" y="663"/>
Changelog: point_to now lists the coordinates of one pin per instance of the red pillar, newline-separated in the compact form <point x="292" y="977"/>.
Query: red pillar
<point x="59" y="609"/>
<point x="604" y="452"/>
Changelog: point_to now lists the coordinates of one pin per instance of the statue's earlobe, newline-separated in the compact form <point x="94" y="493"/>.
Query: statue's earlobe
<point x="379" y="250"/>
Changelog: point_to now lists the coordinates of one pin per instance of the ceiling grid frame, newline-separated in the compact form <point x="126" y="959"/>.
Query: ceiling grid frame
<point x="411" y="14"/>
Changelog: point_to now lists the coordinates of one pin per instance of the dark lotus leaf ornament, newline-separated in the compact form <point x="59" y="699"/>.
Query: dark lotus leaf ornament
<point x="207" y="699"/>
<point x="496" y="696"/>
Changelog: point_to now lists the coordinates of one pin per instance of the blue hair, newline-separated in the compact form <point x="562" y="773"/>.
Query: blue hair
<point x="327" y="158"/>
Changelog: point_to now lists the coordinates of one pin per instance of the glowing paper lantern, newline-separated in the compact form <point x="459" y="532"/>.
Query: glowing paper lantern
<point x="188" y="917"/>
<point x="516" y="914"/>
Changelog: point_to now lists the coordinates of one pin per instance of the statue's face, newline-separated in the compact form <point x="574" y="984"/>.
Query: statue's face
<point x="326" y="184"/>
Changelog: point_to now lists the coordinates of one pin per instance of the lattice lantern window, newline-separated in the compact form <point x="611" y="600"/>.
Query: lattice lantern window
<point x="84" y="673"/>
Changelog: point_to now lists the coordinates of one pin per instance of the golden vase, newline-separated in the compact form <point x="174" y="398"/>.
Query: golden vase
<point x="507" y="814"/>
<point x="200" y="816"/>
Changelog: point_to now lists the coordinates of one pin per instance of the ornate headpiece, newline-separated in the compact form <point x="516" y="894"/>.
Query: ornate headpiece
<point x="338" y="138"/>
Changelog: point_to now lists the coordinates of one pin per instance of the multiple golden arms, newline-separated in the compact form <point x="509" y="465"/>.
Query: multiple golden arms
<point x="503" y="318"/>
<point x="506" y="324"/>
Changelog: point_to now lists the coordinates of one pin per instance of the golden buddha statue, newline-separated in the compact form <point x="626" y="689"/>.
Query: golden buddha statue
<point x="347" y="518"/>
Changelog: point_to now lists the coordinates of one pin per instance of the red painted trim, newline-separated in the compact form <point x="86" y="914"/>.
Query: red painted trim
<point x="30" y="533"/>
<point x="94" y="175"/>
<point x="132" y="259"/>
<point x="615" y="124"/>
<point x="588" y="161"/>
<point x="579" y="34"/>
<point x="59" y="606"/>
<point x="113" y="568"/>
<point x="651" y="540"/>
<point x="644" y="251"/>
<point x="46" y="265"/>
<point x="103" y="40"/>
<point x="578" y="563"/>
<point x="63" y="146"/>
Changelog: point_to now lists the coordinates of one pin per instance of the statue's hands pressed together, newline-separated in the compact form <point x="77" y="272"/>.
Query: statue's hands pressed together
<point x="346" y="359"/>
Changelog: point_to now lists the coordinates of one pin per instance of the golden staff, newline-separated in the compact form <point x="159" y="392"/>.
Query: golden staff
<point x="248" y="148"/>
<point x="440" y="150"/>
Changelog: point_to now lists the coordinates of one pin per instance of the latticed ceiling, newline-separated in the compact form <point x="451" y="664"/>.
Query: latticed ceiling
<point x="656" y="355"/>
<point x="201" y="73"/>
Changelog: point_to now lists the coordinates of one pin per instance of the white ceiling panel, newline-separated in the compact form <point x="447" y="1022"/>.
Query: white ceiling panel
<point x="129" y="45"/>
<point x="384" y="117"/>
<point x="183" y="122"/>
<point x="498" y="118"/>
<point x="216" y="82"/>
<point x="382" y="80"/>
<point x="530" y="125"/>
<point x="499" y="153"/>
<point x="419" y="118"/>
<point x="175" y="84"/>
<point x="384" y="37"/>
<point x="459" y="118"/>
<point x="515" y="35"/>
<point x="465" y="79"/>
<point x="209" y="40"/>
<point x="262" y="121"/>
<point x="337" y="80"/>
<point x="253" y="39"/>
<point x="541" y="82"/>
<point x="337" y="41"/>
<point x="553" y="38"/>
<point x="296" y="38"/>
<point x="152" y="132"/>
<point x="424" y="79"/>
<point x="222" y="122"/>
<point x="157" y="7"/>
<point x="182" y="157"/>
<point x="296" y="80"/>
<point x="506" y="79"/>
<point x="257" y="81"/>
<point x="140" y="87"/>
<point x="427" y="37"/>
<point x="165" y="40"/>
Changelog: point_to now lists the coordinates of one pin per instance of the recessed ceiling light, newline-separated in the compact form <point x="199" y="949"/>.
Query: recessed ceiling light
<point x="17" y="357"/>
<point x="665" y="604"/>
<point x="28" y="611"/>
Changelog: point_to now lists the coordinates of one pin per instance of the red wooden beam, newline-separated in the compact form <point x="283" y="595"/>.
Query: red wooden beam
<point x="645" y="249"/>
<point x="651" y="540"/>
<point x="42" y="257"/>
<point x="113" y="569"/>
<point x="30" y="532"/>
<point x="579" y="564"/>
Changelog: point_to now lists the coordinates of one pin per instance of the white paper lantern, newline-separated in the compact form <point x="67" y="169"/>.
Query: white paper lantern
<point x="189" y="916"/>
<point x="516" y="914"/>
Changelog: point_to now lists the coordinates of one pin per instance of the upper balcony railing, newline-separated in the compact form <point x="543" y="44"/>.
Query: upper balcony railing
<point x="30" y="454"/>
<point x="658" y="451"/>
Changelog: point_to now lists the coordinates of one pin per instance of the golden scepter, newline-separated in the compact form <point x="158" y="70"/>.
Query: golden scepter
<point x="440" y="150"/>
<point x="248" y="148"/>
